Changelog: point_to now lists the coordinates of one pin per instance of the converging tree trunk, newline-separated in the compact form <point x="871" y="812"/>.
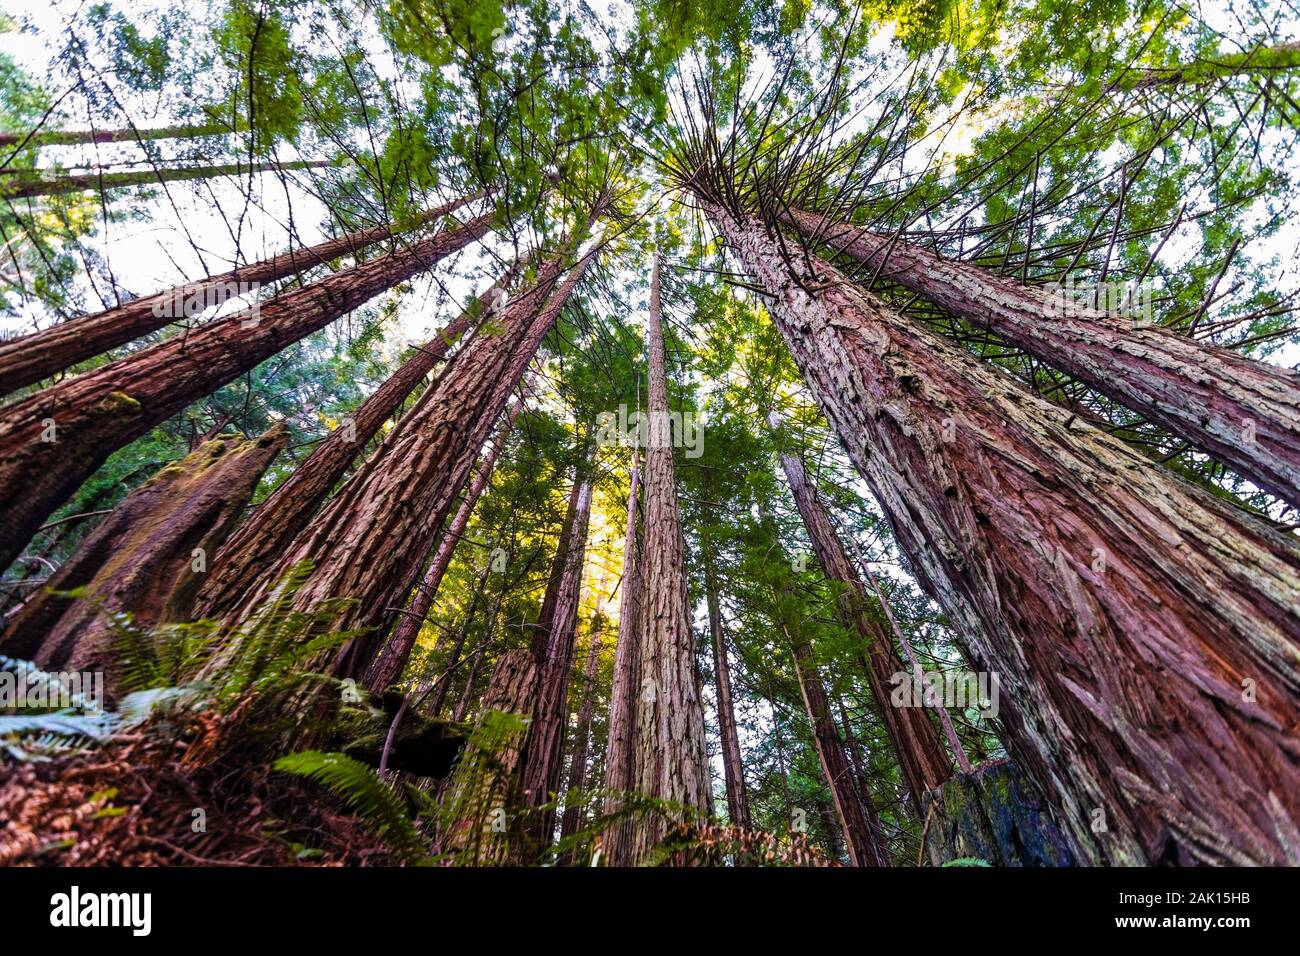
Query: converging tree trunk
<point x="620" y="767"/>
<point x="671" y="759"/>
<point x="391" y="660"/>
<point x="78" y="137"/>
<point x="145" y="559"/>
<point x="733" y="769"/>
<point x="572" y="820"/>
<point x="1143" y="634"/>
<point x="30" y="358"/>
<point x="16" y="186"/>
<point x="1244" y="412"/>
<point x="260" y="541"/>
<point x="552" y="645"/>
<point x="51" y="442"/>
<point x="914" y="739"/>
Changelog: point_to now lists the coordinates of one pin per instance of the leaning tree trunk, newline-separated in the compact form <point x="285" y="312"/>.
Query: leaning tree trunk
<point x="368" y="542"/>
<point x="571" y="822"/>
<point x="671" y="759"/>
<point x="30" y="358"/>
<point x="79" y="137"/>
<point x="552" y="645"/>
<point x="259" y="542"/>
<point x="1244" y="412"/>
<point x="51" y="442"/>
<point x="912" y="735"/>
<point x="391" y="660"/>
<point x="145" y="559"/>
<point x="1143" y="633"/>
<point x="620" y="767"/>
<point x="863" y="835"/>
<point x="18" y="187"/>
<point x="733" y="769"/>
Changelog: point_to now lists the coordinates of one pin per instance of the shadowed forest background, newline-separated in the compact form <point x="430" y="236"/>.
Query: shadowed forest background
<point x="448" y="433"/>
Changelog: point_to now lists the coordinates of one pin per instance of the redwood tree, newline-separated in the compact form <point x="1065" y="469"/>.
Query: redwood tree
<point x="54" y="440"/>
<point x="1144" y="634"/>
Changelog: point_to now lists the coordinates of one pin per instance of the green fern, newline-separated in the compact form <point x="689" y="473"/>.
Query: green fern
<point x="365" y="794"/>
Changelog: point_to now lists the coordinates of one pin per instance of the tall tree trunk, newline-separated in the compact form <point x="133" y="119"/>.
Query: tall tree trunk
<point x="1143" y="633"/>
<point x="553" y="639"/>
<point x="485" y="784"/>
<point x="51" y="442"/>
<point x="259" y="542"/>
<point x="146" y="558"/>
<point x="30" y="358"/>
<point x="620" y="767"/>
<point x="15" y="186"/>
<point x="369" y="541"/>
<point x="914" y="739"/>
<point x="671" y="759"/>
<point x="79" y="137"/>
<point x="391" y="660"/>
<point x="1244" y="412"/>
<point x="733" y="769"/>
<point x="572" y="820"/>
<point x="863" y="836"/>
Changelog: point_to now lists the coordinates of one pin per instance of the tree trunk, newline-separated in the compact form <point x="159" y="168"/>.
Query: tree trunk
<point x="1244" y="412"/>
<point x="552" y="645"/>
<point x="572" y="821"/>
<point x="51" y="442"/>
<point x="671" y="759"/>
<point x="620" y="767"/>
<point x="485" y="784"/>
<point x="15" y="186"/>
<point x="863" y="836"/>
<point x="146" y="558"/>
<point x="30" y="358"/>
<point x="1143" y="633"/>
<point x="369" y="541"/>
<point x="733" y="769"/>
<point x="914" y="739"/>
<point x="259" y="542"/>
<point x="79" y="137"/>
<point x="391" y="661"/>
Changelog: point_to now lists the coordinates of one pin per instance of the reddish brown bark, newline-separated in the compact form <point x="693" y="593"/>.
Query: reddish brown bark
<point x="552" y="645"/>
<point x="913" y="737"/>
<point x="256" y="546"/>
<point x="18" y="187"/>
<point x="369" y="541"/>
<point x="93" y="415"/>
<point x="30" y="358"/>
<point x="620" y="777"/>
<point x="572" y="820"/>
<point x="146" y="558"/>
<point x="391" y="660"/>
<point x="733" y="769"/>
<point x="485" y="785"/>
<point x="671" y="759"/>
<point x="1144" y="634"/>
<point x="1244" y="412"/>
<point x="863" y="837"/>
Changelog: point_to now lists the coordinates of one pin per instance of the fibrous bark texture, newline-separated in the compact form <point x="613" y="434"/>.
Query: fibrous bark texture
<point x="30" y="358"/>
<point x="572" y="821"/>
<point x="1144" y="634"/>
<point x="671" y="760"/>
<point x="733" y="769"/>
<point x="51" y="442"/>
<point x="1244" y="412"/>
<point x="146" y="558"/>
